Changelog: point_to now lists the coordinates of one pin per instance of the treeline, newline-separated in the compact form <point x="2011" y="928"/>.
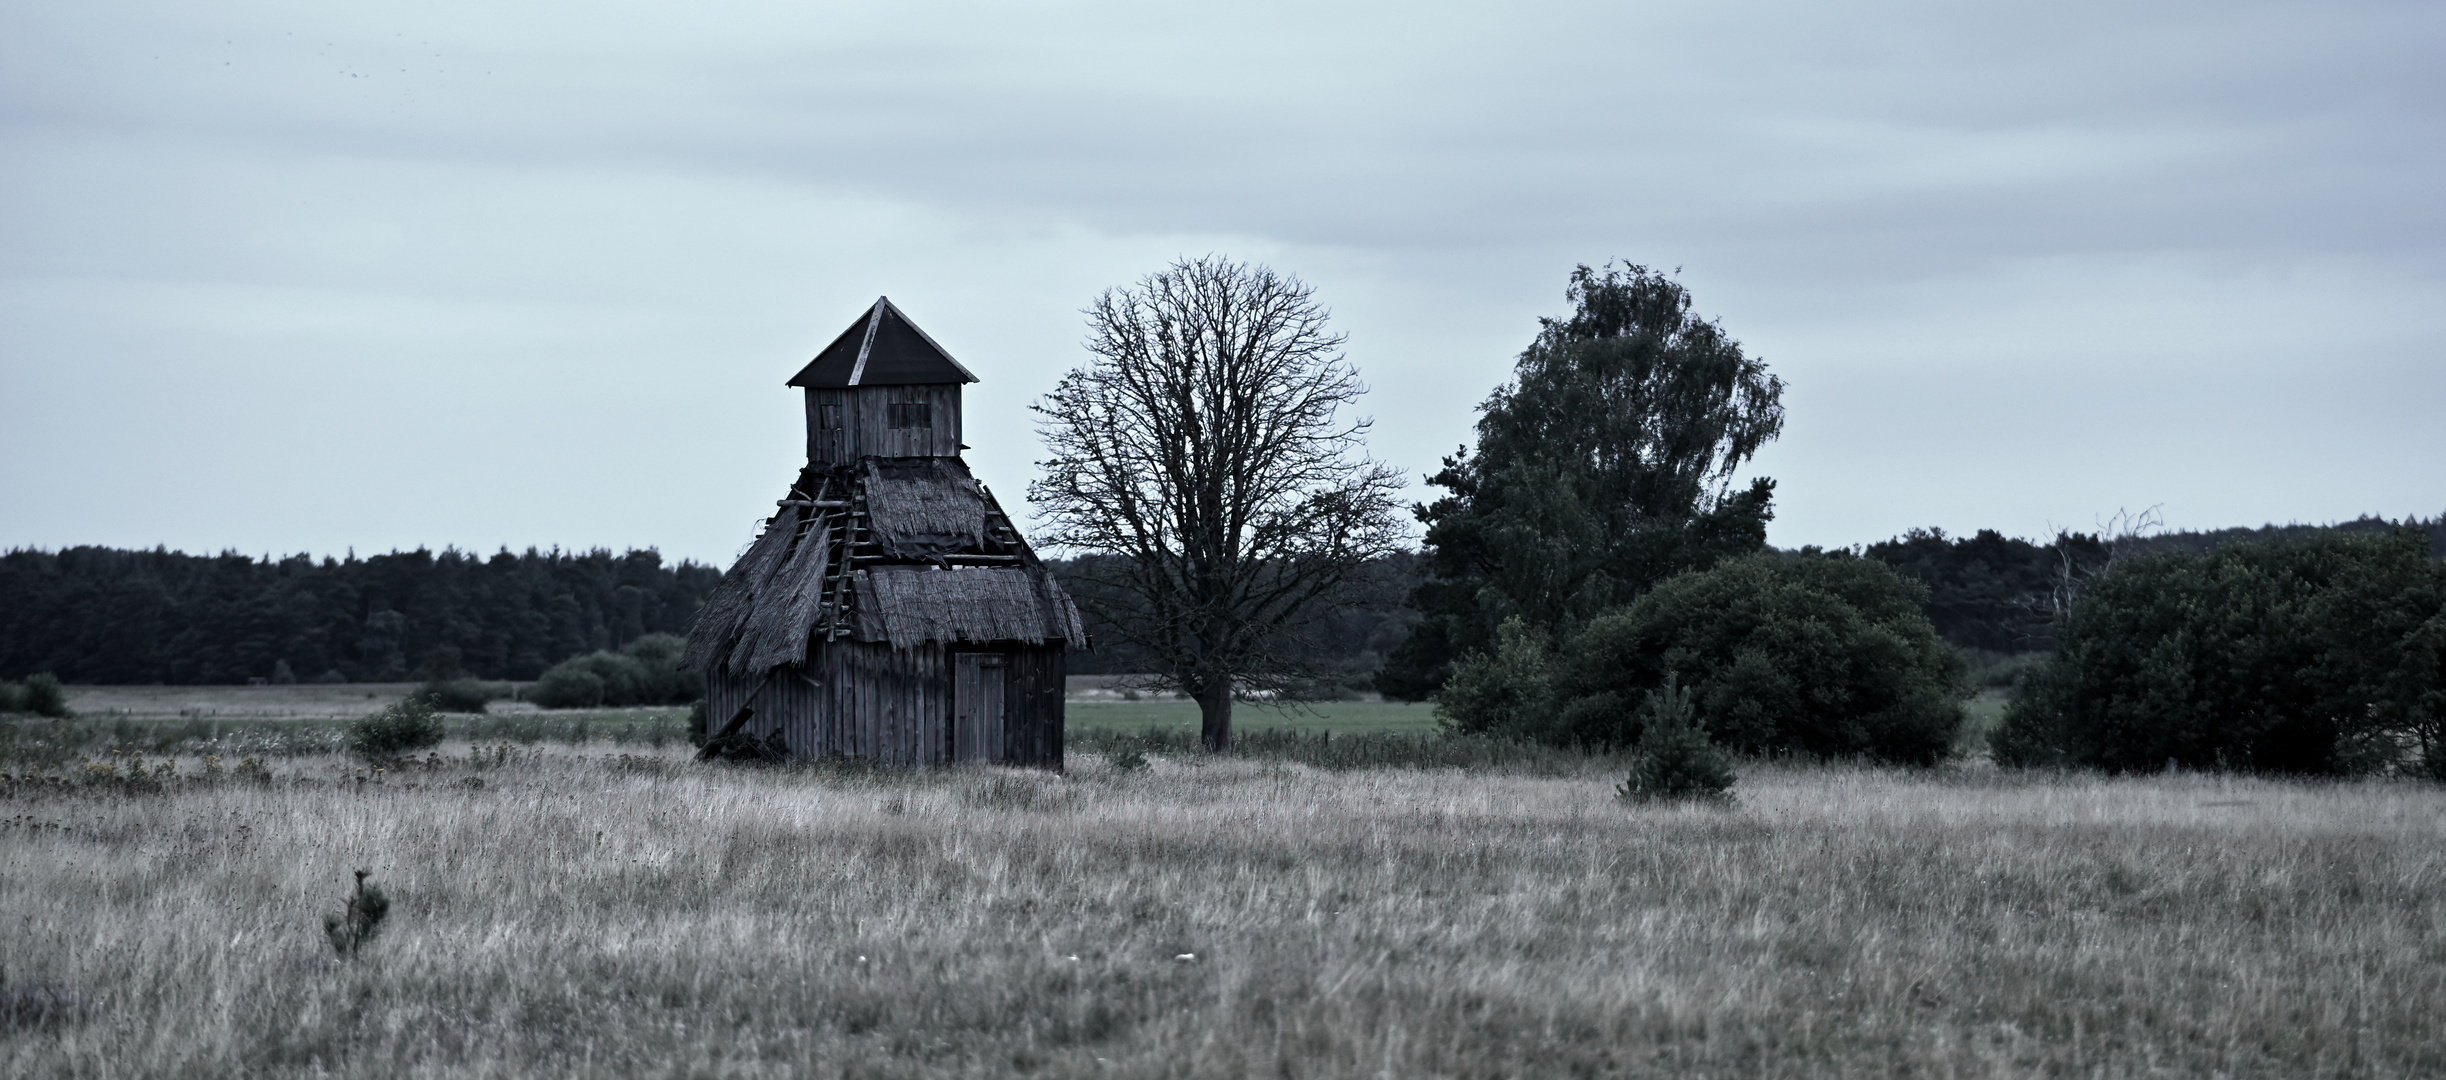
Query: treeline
<point x="2001" y="594"/>
<point x="104" y="615"/>
<point x="2323" y="653"/>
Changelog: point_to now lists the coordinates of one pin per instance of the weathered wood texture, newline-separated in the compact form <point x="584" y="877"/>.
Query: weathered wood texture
<point x="851" y="699"/>
<point x="1032" y="728"/>
<point x="844" y="425"/>
<point x="979" y="682"/>
<point x="915" y="706"/>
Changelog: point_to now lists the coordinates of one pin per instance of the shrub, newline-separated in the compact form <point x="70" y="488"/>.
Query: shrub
<point x="571" y="684"/>
<point x="1676" y="760"/>
<point x="282" y="673"/>
<point x="2320" y="655"/>
<point x="40" y="694"/>
<point x="331" y="677"/>
<point x="1507" y="692"/>
<point x="1821" y="655"/>
<point x="647" y="672"/>
<point x="408" y="725"/>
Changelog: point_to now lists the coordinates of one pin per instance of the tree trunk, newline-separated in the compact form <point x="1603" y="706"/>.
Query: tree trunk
<point x="1214" y="715"/>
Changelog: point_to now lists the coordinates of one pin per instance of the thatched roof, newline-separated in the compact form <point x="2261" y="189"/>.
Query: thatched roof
<point x="923" y="508"/>
<point x="908" y="606"/>
<point x="734" y="606"/>
<point x="869" y="552"/>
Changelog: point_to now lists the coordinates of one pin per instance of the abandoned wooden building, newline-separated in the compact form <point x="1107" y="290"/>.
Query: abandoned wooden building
<point x="889" y="610"/>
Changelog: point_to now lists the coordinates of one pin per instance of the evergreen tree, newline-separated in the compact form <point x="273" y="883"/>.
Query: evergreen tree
<point x="1676" y="760"/>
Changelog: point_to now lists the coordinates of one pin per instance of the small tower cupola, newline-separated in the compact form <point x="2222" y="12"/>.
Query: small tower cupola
<point x="882" y="389"/>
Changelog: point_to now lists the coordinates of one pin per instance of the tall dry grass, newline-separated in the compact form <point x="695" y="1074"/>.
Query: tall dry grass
<point x="584" y="912"/>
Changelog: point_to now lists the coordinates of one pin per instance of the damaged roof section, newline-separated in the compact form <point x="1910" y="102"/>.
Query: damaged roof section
<point x="904" y="550"/>
<point x="923" y="508"/>
<point x="912" y="606"/>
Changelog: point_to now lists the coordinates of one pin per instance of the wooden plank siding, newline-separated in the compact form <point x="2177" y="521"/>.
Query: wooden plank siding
<point x="859" y="424"/>
<point x="868" y="700"/>
<point x="980" y="683"/>
<point x="1032" y="733"/>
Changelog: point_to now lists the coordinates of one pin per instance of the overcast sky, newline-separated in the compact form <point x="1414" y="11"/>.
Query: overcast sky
<point x="308" y="277"/>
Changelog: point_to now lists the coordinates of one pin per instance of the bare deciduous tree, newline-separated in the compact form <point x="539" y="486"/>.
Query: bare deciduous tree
<point x="1205" y="447"/>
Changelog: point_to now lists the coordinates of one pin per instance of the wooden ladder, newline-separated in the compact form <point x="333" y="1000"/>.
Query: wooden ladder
<point x="852" y="542"/>
<point x="1000" y="532"/>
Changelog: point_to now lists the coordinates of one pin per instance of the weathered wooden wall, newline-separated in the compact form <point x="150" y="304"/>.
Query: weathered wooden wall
<point x="1032" y="732"/>
<point x="868" y="700"/>
<point x="865" y="414"/>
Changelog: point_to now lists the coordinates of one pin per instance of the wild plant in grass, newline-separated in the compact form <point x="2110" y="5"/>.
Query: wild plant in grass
<point x="357" y="924"/>
<point x="1675" y="760"/>
<point x="40" y="694"/>
<point x="408" y="725"/>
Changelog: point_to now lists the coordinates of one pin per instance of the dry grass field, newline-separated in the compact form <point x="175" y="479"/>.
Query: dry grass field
<point x="295" y="701"/>
<point x="583" y="911"/>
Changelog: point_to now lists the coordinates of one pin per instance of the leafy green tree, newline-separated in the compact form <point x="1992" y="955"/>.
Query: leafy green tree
<point x="2324" y="654"/>
<point x="1988" y="591"/>
<point x="1508" y="690"/>
<point x="1604" y="467"/>
<point x="1820" y="655"/>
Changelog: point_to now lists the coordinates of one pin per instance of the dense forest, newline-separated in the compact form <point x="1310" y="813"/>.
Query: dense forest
<point x="101" y="615"/>
<point x="2001" y="594"/>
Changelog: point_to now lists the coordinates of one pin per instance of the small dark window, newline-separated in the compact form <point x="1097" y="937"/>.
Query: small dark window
<point x="909" y="414"/>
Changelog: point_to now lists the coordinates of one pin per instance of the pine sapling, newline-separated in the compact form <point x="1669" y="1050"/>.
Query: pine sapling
<point x="357" y="924"/>
<point x="1676" y="760"/>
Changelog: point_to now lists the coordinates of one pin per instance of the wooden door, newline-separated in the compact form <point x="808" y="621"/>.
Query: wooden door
<point x="977" y="694"/>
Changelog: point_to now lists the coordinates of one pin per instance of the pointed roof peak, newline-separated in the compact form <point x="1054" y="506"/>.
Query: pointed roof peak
<point x="882" y="348"/>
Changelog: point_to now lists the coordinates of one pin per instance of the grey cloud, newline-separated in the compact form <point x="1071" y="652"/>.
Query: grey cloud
<point x="1959" y="191"/>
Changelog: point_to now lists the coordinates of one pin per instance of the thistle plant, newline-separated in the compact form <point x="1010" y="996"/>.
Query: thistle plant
<point x="359" y="921"/>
